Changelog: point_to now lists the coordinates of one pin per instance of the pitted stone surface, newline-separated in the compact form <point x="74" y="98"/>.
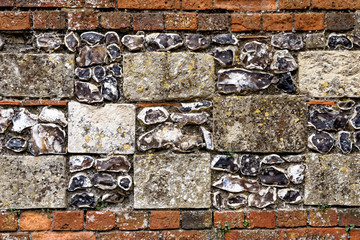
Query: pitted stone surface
<point x="332" y="178"/>
<point x="329" y="73"/>
<point x="168" y="76"/>
<point x="172" y="181"/>
<point x="260" y="124"/>
<point x="36" y="75"/>
<point x="32" y="182"/>
<point x="96" y="129"/>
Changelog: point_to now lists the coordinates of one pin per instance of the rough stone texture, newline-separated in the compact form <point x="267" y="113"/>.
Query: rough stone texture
<point x="172" y="181"/>
<point x="329" y="73"/>
<point x="96" y="129"/>
<point x="333" y="179"/>
<point x="196" y="219"/>
<point x="32" y="182"/>
<point x="260" y="123"/>
<point x="49" y="75"/>
<point x="168" y="76"/>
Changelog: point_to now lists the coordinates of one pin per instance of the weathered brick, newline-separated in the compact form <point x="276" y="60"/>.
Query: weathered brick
<point x="35" y="221"/>
<point x="181" y="21"/>
<point x="100" y="220"/>
<point x="196" y="219"/>
<point x="196" y="4"/>
<point x="291" y="218"/>
<point x="255" y="235"/>
<point x="6" y="3"/>
<point x="63" y="236"/>
<point x="213" y="22"/>
<point x="143" y="235"/>
<point x="8" y="222"/>
<point x="294" y="4"/>
<point x="319" y="218"/>
<point x="100" y="3"/>
<point x="277" y="21"/>
<point x="132" y="220"/>
<point x="83" y="20"/>
<point x="115" y="20"/>
<point x="68" y="220"/>
<point x="261" y="219"/>
<point x="245" y="22"/>
<point x="148" y="21"/>
<point x="309" y="21"/>
<point x="164" y="219"/>
<point x="14" y="236"/>
<point x="340" y="21"/>
<point x="245" y="5"/>
<point x="349" y="216"/>
<point x="355" y="234"/>
<point x="316" y="233"/>
<point x="49" y="20"/>
<point x="185" y="235"/>
<point x="336" y="4"/>
<point x="49" y="3"/>
<point x="149" y="4"/>
<point x="235" y="219"/>
<point x="15" y="20"/>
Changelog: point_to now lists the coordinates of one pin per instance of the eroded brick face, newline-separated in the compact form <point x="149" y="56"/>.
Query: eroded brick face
<point x="49" y="20"/>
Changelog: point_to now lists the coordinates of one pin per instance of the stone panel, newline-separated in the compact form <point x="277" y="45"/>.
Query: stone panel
<point x="36" y="75"/>
<point x="172" y="181"/>
<point x="168" y="76"/>
<point x="32" y="182"/>
<point x="101" y="129"/>
<point x="329" y="73"/>
<point x="332" y="179"/>
<point x="260" y="123"/>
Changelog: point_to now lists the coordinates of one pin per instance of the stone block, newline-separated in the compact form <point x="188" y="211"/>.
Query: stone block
<point x="36" y="75"/>
<point x="32" y="182"/>
<point x="172" y="181"/>
<point x="329" y="73"/>
<point x="157" y="76"/>
<point x="101" y="129"/>
<point x="260" y="124"/>
<point x="332" y="179"/>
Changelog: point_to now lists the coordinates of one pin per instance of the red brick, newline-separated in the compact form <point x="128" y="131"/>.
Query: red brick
<point x="14" y="236"/>
<point x="294" y="4"/>
<point x="355" y="234"/>
<point x="146" y="235"/>
<point x="213" y="22"/>
<point x="309" y="21"/>
<point x="245" y="5"/>
<point x="327" y="218"/>
<point x="6" y="3"/>
<point x="349" y="216"/>
<point x="148" y="21"/>
<point x="63" y="236"/>
<point x="83" y="20"/>
<point x="336" y="21"/>
<point x="336" y="4"/>
<point x="235" y="219"/>
<point x="10" y="103"/>
<point x="15" y="20"/>
<point x="261" y="219"/>
<point x="35" y="221"/>
<point x="245" y="22"/>
<point x="291" y="218"/>
<point x="44" y="102"/>
<point x="132" y="220"/>
<point x="196" y="4"/>
<point x="49" y="3"/>
<point x="277" y="22"/>
<point x="68" y="220"/>
<point x="255" y="235"/>
<point x="49" y="20"/>
<point x="100" y="3"/>
<point x="8" y="222"/>
<point x="115" y="20"/>
<point x="181" y="21"/>
<point x="149" y="4"/>
<point x="164" y="219"/>
<point x="100" y="220"/>
<point x="185" y="235"/>
<point x="316" y="233"/>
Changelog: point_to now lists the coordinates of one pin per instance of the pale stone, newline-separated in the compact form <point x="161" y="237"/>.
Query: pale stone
<point x="172" y="181"/>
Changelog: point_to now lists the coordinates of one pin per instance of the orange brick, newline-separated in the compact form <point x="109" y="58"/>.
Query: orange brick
<point x="291" y="218"/>
<point x="245" y="22"/>
<point x="83" y="20"/>
<point x="277" y="22"/>
<point x="8" y="222"/>
<point x="145" y="235"/>
<point x="35" y="221"/>
<point x="148" y="21"/>
<point x="49" y="3"/>
<point x="336" y="4"/>
<point x="327" y="218"/>
<point x="355" y="234"/>
<point x="196" y="4"/>
<point x="100" y="3"/>
<point x="100" y="220"/>
<point x="43" y="102"/>
<point x="63" y="236"/>
<point x="255" y="235"/>
<point x="11" y="103"/>
<point x="261" y="219"/>
<point x="164" y="219"/>
<point x="68" y="220"/>
<point x="115" y="20"/>
<point x="184" y="235"/>
<point x="6" y="3"/>
<point x="294" y="4"/>
<point x="181" y="21"/>
<point x="149" y="4"/>
<point x="235" y="219"/>
<point x="349" y="216"/>
<point x="49" y="20"/>
<point x="309" y="21"/>
<point x="317" y="233"/>
<point x="14" y="236"/>
<point x="132" y="220"/>
<point x="245" y="5"/>
<point x="15" y="20"/>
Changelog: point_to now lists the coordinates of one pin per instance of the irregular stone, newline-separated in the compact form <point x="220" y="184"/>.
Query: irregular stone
<point x="79" y="163"/>
<point x="315" y="40"/>
<point x="163" y="41"/>
<point x="327" y="119"/>
<point x="240" y="80"/>
<point x="83" y="200"/>
<point x="24" y="119"/>
<point x="283" y="62"/>
<point x="113" y="164"/>
<point x="124" y="182"/>
<point x="103" y="181"/>
<point x="355" y="118"/>
<point x="357" y="139"/>
<point x="290" y="195"/>
<point x="115" y="69"/>
<point x="196" y="42"/>
<point x="92" y="129"/>
<point x="296" y="173"/>
<point x="72" y="41"/>
<point x="2" y="44"/>
<point x="112" y="198"/>
<point x="112" y="37"/>
<point x="88" y="93"/>
<point x="33" y="182"/>
<point x="48" y="41"/>
<point x="321" y="141"/>
<point x="236" y="184"/>
<point x="159" y="178"/>
<point x="92" y="37"/>
<point x="91" y="55"/>
<point x="249" y="165"/>
<point x="332" y="178"/>
<point x="83" y="73"/>
<point x="109" y="89"/>
<point x="272" y="159"/>
<point x="343" y="142"/>
<point x="189" y="118"/>
<point x="217" y="200"/>
<point x="114" y="51"/>
<point x="235" y="201"/>
<point x="168" y="134"/>
<point x="273" y="176"/>
<point x="225" y="39"/>
<point x="79" y="181"/>
<point x="168" y="76"/>
<point x="262" y="124"/>
<point x="286" y="83"/>
<point x="287" y="41"/>
<point x="195" y="106"/>
<point x="133" y="42"/>
<point x="263" y="198"/>
<point x="152" y="115"/>
<point x="256" y="55"/>
<point x="225" y="163"/>
<point x="98" y="73"/>
<point x="6" y="116"/>
<point x="346" y="105"/>
<point x="226" y="55"/>
<point x="53" y="115"/>
<point x="339" y="40"/>
<point x="49" y="75"/>
<point x="294" y="158"/>
<point x="208" y="138"/>
<point x="17" y="144"/>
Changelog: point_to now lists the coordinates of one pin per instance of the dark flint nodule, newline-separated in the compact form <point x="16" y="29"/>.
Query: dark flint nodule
<point x="197" y="41"/>
<point x="321" y="141"/>
<point x="17" y="144"/>
<point x="109" y="89"/>
<point x="286" y="83"/>
<point x="225" y="39"/>
<point x="328" y="119"/>
<point x="341" y="40"/>
<point x="114" y="51"/>
<point x="87" y="92"/>
<point x="272" y="176"/>
<point x="79" y="181"/>
<point x="343" y="141"/>
<point x="83" y="200"/>
<point x="98" y="73"/>
<point x="112" y="37"/>
<point x="92" y="37"/>
<point x="225" y="163"/>
<point x="225" y="56"/>
<point x="115" y="69"/>
<point x="83" y="73"/>
<point x="249" y="165"/>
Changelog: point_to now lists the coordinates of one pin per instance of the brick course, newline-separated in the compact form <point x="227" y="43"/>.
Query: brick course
<point x="68" y="220"/>
<point x="164" y="219"/>
<point x="35" y="221"/>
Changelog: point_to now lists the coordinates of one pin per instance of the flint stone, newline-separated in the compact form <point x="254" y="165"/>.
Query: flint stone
<point x="53" y="115"/>
<point x="48" y="41"/>
<point x="343" y="142"/>
<point x="2" y="43"/>
<point x="17" y="144"/>
<point x="217" y="200"/>
<point x="355" y="118"/>
<point x="72" y="41"/>
<point x="283" y="62"/>
<point x="225" y="163"/>
<point x="321" y="141"/>
<point x="235" y="184"/>
<point x="24" y="119"/>
<point x="79" y="163"/>
<point x="112" y="37"/>
<point x="249" y="165"/>
<point x="273" y="176"/>
<point x="225" y="56"/>
<point x="115" y="69"/>
<point x="49" y="75"/>
<point x="329" y="73"/>
<point x="104" y="181"/>
<point x="346" y="105"/>
<point x="332" y="178"/>
<point x="296" y="173"/>
<point x="263" y="198"/>
<point x="109" y="89"/>
<point x="114" y="51"/>
<point x="152" y="115"/>
<point x="357" y="139"/>
<point x="327" y="119"/>
<point x="339" y="40"/>
<point x="235" y="201"/>
<point x="272" y="159"/>
<point x="164" y="41"/>
<point x="168" y="76"/>
<point x="89" y="56"/>
<point x="208" y="138"/>
<point x="83" y="73"/>
<point x="83" y="200"/>
<point x="287" y="41"/>
<point x="92" y="129"/>
<point x="286" y="83"/>
<point x="166" y="181"/>
<point x="112" y="198"/>
<point x="189" y="118"/>
<point x="133" y="42"/>
<point x="6" y="115"/>
<point x="87" y="92"/>
<point x="195" y="106"/>
<point x="92" y="37"/>
<point x="79" y="181"/>
<point x="124" y="182"/>
<point x="256" y="55"/>
<point x="290" y="195"/>
<point x="33" y="182"/>
<point x="197" y="41"/>
<point x="225" y="39"/>
<point x="98" y="73"/>
<point x="113" y="164"/>
<point x="260" y="124"/>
